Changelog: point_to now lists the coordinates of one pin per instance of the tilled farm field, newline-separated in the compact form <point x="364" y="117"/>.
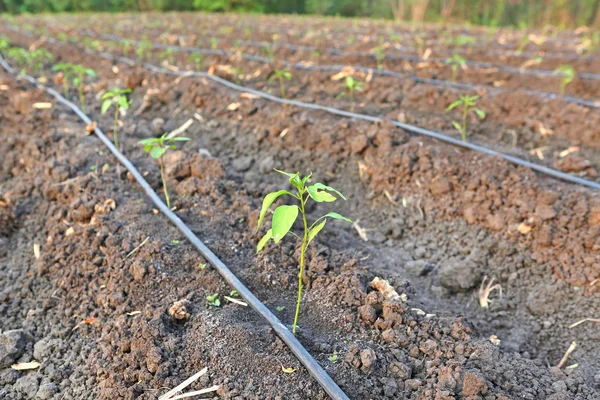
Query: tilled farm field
<point x="110" y="299"/>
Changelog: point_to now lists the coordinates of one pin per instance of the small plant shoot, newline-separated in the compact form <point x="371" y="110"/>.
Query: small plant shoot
<point x="157" y="147"/>
<point x="351" y="85"/>
<point x="281" y="76"/>
<point x="284" y="217"/>
<point x="118" y="97"/>
<point x="455" y="62"/>
<point x="213" y="300"/>
<point x="76" y="73"/>
<point x="568" y="74"/>
<point x="468" y="103"/>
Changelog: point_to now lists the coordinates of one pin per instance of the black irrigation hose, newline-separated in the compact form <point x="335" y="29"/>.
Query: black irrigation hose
<point x="335" y="111"/>
<point x="282" y="331"/>
<point x="383" y="72"/>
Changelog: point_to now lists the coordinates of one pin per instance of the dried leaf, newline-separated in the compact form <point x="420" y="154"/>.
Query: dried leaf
<point x="4" y="87"/>
<point x="132" y="313"/>
<point x="568" y="151"/>
<point x="89" y="320"/>
<point x="494" y="339"/>
<point x="524" y="229"/>
<point x="233" y="106"/>
<point x="25" y="366"/>
<point x="69" y="231"/>
<point x="247" y="95"/>
<point x="42" y="105"/>
<point x="288" y="370"/>
<point x="36" y="251"/>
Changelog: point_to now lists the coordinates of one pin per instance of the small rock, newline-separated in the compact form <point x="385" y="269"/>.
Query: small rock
<point x="400" y="371"/>
<point x="28" y="385"/>
<point x="545" y="212"/>
<point x="178" y="310"/>
<point x="242" y="164"/>
<point x="367" y="358"/>
<point x="419" y="267"/>
<point x="473" y="384"/>
<point x="367" y="313"/>
<point x="458" y="274"/>
<point x="440" y="186"/>
<point x="44" y="348"/>
<point x="157" y="126"/>
<point x="266" y="165"/>
<point x="46" y="391"/>
<point x="12" y="346"/>
<point x="138" y="270"/>
<point x="358" y="143"/>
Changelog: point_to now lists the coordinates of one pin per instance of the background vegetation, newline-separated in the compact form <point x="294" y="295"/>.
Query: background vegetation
<point x="520" y="13"/>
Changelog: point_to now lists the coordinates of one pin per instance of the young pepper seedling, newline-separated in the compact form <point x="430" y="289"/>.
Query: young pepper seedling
<point x="157" y="147"/>
<point x="119" y="98"/>
<point x="285" y="216"/>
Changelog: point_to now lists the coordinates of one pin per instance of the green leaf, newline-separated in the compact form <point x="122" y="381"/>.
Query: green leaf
<point x="123" y="102"/>
<point x="264" y="240"/>
<point x="157" y="152"/>
<point x="107" y="95"/>
<point x="480" y="113"/>
<point x="335" y="215"/>
<point x="147" y="147"/>
<point x="457" y="126"/>
<point x="321" y="186"/>
<point x="76" y="81"/>
<point x="90" y="72"/>
<point x="283" y="219"/>
<point x="149" y="141"/>
<point x="106" y="105"/>
<point x="454" y="105"/>
<point x="320" y="196"/>
<point x="268" y="200"/>
<point x="314" y="231"/>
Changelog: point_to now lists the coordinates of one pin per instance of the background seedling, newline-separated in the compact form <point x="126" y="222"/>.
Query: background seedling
<point x="119" y="98"/>
<point x="351" y="85"/>
<point x="455" y="63"/>
<point x="196" y="59"/>
<point x="19" y="56"/>
<point x="285" y="216"/>
<point x="3" y="43"/>
<point x="213" y="300"/>
<point x="39" y="57"/>
<point x="567" y="73"/>
<point x="214" y="43"/>
<point x="168" y="56"/>
<point x="125" y="47"/>
<point x="77" y="72"/>
<point x="280" y="308"/>
<point x="268" y="52"/>
<point x="281" y="76"/>
<point x="157" y="147"/>
<point x="144" y="49"/>
<point x="468" y="103"/>
<point x="379" y="56"/>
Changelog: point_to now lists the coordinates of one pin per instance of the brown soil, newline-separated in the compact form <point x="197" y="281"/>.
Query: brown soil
<point x="439" y="221"/>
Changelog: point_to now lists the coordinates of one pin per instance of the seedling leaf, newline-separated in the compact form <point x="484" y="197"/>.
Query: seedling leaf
<point x="320" y="196"/>
<point x="335" y="215"/>
<point x="157" y="152"/>
<point x="105" y="105"/>
<point x="283" y="219"/>
<point x="264" y="240"/>
<point x="268" y="200"/>
<point x="316" y="230"/>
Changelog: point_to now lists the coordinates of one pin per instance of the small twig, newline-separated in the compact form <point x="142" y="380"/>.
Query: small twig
<point x="563" y="360"/>
<point x="361" y="232"/>
<point x="196" y="393"/>
<point x="584" y="320"/>
<point x="181" y="129"/>
<point x="183" y="385"/>
<point x="389" y="197"/>
<point x="484" y="292"/>
<point x="236" y="301"/>
<point x="138" y="247"/>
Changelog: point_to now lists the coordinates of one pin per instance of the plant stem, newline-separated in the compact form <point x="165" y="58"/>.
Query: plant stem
<point x="464" y="122"/>
<point x="162" y="175"/>
<point x="351" y="100"/>
<point x="81" y="99"/>
<point x="282" y="87"/>
<point x="116" y="126"/>
<point x="302" y="252"/>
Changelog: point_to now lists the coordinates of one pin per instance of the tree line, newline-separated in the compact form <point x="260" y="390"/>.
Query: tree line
<point x="519" y="13"/>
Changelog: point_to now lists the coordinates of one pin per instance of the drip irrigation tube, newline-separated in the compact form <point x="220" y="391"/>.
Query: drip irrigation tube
<point x="282" y="331"/>
<point x="397" y="56"/>
<point x="331" y="110"/>
<point x="376" y="71"/>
